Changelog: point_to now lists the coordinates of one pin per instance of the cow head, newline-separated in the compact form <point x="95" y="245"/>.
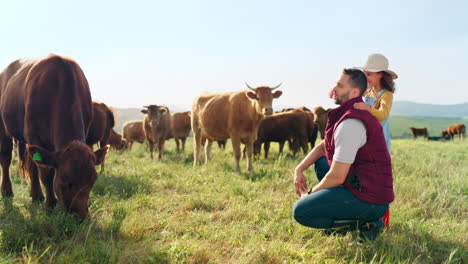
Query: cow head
<point x="123" y="144"/>
<point x="154" y="113"/>
<point x="264" y="96"/>
<point x="320" y="118"/>
<point x="75" y="173"/>
<point x="444" y="133"/>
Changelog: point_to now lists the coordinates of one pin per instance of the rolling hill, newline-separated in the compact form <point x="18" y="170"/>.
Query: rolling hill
<point x="405" y="108"/>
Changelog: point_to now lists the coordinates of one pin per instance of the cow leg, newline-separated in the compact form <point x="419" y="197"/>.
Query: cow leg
<point x="196" y="148"/>
<point x="281" y="147"/>
<point x="36" y="191"/>
<point x="304" y="144"/>
<point x="183" y="143"/>
<point x="47" y="178"/>
<point x="177" y="143"/>
<point x="160" y="148"/>
<point x="151" y="146"/>
<point x="237" y="151"/>
<point x="6" y="147"/>
<point x="266" y="148"/>
<point x="208" y="144"/>
<point x="257" y="147"/>
<point x="100" y="144"/>
<point x="249" y="146"/>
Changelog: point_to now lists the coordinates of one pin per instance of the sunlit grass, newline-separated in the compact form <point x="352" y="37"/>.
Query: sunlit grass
<point x="145" y="211"/>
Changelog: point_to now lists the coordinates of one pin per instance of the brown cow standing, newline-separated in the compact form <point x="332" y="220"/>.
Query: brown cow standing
<point x="157" y="126"/>
<point x="419" y="132"/>
<point x="133" y="131"/>
<point x="453" y="130"/>
<point x="321" y="117"/>
<point x="234" y="115"/>
<point x="312" y="129"/>
<point x="103" y="122"/>
<point x="180" y="126"/>
<point x="281" y="127"/>
<point x="47" y="105"/>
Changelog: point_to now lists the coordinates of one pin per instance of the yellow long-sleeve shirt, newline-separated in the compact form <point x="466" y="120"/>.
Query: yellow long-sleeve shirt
<point x="381" y="110"/>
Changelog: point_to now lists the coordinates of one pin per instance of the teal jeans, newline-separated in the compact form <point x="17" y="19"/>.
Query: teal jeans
<point x="321" y="209"/>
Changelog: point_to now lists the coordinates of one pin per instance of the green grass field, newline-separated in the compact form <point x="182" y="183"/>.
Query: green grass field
<point x="400" y="125"/>
<point x="146" y="211"/>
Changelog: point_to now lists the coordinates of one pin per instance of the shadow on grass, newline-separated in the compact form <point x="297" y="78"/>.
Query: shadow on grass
<point x="122" y="187"/>
<point x="405" y="245"/>
<point x="185" y="157"/>
<point x="28" y="233"/>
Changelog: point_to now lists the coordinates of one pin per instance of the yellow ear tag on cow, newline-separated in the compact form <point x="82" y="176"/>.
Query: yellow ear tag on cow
<point x="37" y="156"/>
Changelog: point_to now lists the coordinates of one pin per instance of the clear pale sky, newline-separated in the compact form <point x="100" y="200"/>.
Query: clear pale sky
<point x="168" y="52"/>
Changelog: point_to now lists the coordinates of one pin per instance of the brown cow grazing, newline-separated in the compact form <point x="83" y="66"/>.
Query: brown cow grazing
<point x="180" y="126"/>
<point x="157" y="126"/>
<point x="281" y="127"/>
<point x="454" y="130"/>
<point x="234" y="115"/>
<point x="321" y="117"/>
<point x="116" y="141"/>
<point x="133" y="131"/>
<point x="422" y="131"/>
<point x="47" y="105"/>
<point x="102" y="124"/>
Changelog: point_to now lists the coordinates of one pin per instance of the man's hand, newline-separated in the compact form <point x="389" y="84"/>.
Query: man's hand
<point x="300" y="183"/>
<point x="362" y="106"/>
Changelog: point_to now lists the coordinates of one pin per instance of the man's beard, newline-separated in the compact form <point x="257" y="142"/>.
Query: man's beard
<point x="343" y="99"/>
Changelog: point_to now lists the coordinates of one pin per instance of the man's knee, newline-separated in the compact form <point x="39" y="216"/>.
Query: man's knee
<point x="298" y="212"/>
<point x="305" y="215"/>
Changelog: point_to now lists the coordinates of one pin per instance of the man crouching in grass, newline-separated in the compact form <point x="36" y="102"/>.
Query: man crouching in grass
<point x="353" y="167"/>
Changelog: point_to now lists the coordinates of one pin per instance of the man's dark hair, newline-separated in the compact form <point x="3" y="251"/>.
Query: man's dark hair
<point x="357" y="79"/>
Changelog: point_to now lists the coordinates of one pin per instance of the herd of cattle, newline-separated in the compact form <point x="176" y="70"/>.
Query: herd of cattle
<point x="295" y="126"/>
<point x="46" y="109"/>
<point x="446" y="134"/>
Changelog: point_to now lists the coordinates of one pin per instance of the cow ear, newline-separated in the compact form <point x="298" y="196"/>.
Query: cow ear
<point x="101" y="154"/>
<point x="251" y="95"/>
<point x="144" y="111"/>
<point x="163" y="110"/>
<point x="277" y="94"/>
<point x="42" y="157"/>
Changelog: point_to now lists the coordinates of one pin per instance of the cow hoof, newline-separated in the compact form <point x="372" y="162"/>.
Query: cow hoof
<point x="49" y="206"/>
<point x="37" y="198"/>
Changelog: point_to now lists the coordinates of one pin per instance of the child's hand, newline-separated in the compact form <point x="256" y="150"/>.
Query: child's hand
<point x="362" y="106"/>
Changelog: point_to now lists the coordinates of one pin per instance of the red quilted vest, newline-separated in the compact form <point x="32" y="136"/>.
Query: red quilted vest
<point x="370" y="176"/>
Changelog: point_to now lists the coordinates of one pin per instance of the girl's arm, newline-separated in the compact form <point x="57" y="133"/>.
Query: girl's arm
<point x="383" y="111"/>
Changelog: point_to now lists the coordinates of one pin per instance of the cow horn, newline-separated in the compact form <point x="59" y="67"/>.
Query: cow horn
<point x="272" y="88"/>
<point x="249" y="87"/>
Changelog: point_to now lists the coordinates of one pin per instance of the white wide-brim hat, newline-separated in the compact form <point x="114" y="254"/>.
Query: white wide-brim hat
<point x="377" y="63"/>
